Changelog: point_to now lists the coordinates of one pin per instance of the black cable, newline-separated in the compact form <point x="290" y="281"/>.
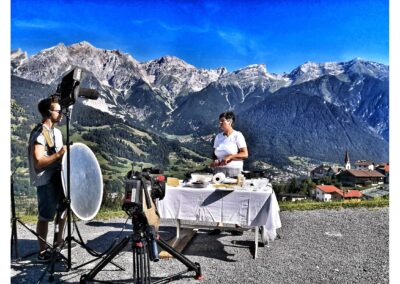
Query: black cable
<point x="90" y="250"/>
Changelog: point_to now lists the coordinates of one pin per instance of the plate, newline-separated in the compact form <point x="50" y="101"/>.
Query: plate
<point x="198" y="184"/>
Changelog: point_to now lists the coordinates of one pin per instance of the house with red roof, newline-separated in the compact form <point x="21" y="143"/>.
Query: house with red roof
<point x="331" y="192"/>
<point x="327" y="192"/>
<point x="383" y="168"/>
<point x="360" y="177"/>
<point x="351" y="194"/>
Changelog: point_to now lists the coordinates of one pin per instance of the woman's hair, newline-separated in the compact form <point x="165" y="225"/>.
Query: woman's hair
<point x="228" y="115"/>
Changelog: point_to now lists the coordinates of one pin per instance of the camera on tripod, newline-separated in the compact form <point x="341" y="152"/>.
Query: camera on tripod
<point x="137" y="184"/>
<point x="141" y="191"/>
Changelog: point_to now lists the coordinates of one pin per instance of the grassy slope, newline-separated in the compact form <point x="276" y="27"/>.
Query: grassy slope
<point x="106" y="214"/>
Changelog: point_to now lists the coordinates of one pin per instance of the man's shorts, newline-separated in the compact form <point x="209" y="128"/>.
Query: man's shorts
<point x="50" y="199"/>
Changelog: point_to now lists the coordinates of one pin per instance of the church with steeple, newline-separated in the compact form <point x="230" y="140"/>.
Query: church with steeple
<point x="347" y="164"/>
<point x="360" y="175"/>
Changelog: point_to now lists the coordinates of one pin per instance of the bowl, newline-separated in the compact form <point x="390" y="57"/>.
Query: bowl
<point x="201" y="177"/>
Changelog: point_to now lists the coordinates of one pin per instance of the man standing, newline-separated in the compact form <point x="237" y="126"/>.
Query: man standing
<point x="45" y="151"/>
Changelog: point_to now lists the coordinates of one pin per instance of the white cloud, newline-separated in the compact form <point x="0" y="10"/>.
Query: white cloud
<point x="36" y="24"/>
<point x="239" y="41"/>
<point x="171" y="27"/>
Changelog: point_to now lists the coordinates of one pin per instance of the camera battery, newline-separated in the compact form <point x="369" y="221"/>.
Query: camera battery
<point x="133" y="191"/>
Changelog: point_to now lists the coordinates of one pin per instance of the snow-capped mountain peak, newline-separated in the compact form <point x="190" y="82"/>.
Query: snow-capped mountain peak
<point x="373" y="69"/>
<point x="311" y="70"/>
<point x="18" y="53"/>
<point x="82" y="44"/>
<point x="122" y="79"/>
<point x="169" y="62"/>
<point x="18" y="57"/>
<point x="173" y="77"/>
<point x="254" y="76"/>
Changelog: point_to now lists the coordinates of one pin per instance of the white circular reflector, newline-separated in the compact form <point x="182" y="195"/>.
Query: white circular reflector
<point x="86" y="182"/>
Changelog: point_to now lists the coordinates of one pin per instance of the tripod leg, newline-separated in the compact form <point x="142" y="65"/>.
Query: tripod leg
<point x="89" y="250"/>
<point x="138" y="262"/>
<point x="141" y="263"/>
<point x="144" y="276"/>
<point x="189" y="264"/>
<point x="34" y="233"/>
<point x="55" y="252"/>
<point x="118" y="248"/>
<point x="134" y="262"/>
<point x="146" y="261"/>
<point x="148" y="265"/>
<point x="14" y="237"/>
<point x="140" y="278"/>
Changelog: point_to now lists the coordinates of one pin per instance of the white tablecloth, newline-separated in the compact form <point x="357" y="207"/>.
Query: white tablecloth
<point x="250" y="207"/>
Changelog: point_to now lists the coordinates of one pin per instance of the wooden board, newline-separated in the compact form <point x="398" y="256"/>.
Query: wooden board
<point x="186" y="235"/>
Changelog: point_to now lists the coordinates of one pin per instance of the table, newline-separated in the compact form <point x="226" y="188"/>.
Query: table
<point x="254" y="205"/>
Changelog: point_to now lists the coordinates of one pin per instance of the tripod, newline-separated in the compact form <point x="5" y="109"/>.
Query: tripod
<point x="144" y="240"/>
<point x="14" y="231"/>
<point x="55" y="249"/>
<point x="14" y="220"/>
<point x="14" y="236"/>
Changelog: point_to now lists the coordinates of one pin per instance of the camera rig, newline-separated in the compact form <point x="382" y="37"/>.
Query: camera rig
<point x="154" y="187"/>
<point x="141" y="193"/>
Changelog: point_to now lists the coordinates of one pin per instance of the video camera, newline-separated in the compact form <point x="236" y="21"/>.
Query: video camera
<point x="136" y="181"/>
<point x="69" y="89"/>
<point x="139" y="188"/>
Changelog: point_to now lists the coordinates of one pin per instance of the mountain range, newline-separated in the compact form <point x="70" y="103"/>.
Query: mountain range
<point x="317" y="111"/>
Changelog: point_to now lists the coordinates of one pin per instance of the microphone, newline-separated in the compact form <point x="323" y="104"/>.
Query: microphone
<point x="90" y="94"/>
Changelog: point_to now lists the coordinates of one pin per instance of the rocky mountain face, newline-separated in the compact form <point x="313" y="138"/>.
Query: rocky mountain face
<point x="173" y="77"/>
<point x="17" y="58"/>
<point x="363" y="95"/>
<point x="168" y="76"/>
<point x="297" y="123"/>
<point x="318" y="110"/>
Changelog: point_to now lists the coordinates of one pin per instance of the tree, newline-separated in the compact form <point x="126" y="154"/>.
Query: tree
<point x="293" y="186"/>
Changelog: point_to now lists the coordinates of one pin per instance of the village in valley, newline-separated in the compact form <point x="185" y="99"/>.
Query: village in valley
<point x="361" y="180"/>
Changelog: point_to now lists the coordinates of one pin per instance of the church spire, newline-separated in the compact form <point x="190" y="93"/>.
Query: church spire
<point x="347" y="161"/>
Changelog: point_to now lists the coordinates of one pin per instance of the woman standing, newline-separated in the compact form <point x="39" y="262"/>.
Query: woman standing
<point x="230" y="150"/>
<point x="230" y="147"/>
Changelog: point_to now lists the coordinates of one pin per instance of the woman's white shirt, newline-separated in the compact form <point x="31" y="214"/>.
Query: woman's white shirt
<point x="229" y="145"/>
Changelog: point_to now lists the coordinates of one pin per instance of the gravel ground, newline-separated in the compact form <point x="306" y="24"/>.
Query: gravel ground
<point x="321" y="246"/>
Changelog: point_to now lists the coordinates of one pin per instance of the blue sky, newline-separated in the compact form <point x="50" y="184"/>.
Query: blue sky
<point x="210" y="34"/>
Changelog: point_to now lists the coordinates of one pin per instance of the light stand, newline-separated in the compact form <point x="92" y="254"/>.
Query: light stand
<point x="68" y="197"/>
<point x="14" y="220"/>
<point x="56" y="250"/>
<point x="67" y="92"/>
<point x="69" y="220"/>
<point x="67" y="202"/>
<point x="14" y="237"/>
